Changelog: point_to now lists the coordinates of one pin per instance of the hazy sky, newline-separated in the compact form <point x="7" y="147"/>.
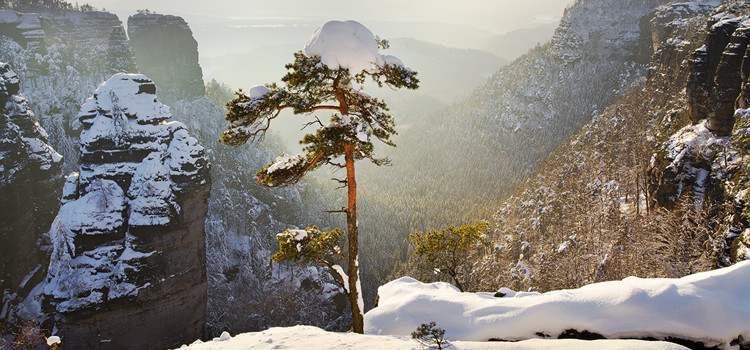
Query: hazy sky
<point x="498" y="16"/>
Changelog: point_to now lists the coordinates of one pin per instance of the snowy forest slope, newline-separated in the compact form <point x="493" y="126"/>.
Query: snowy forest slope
<point x="457" y="165"/>
<point x="644" y="188"/>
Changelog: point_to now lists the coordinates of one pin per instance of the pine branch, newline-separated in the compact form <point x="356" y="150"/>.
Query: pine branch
<point x="317" y="120"/>
<point x="344" y="183"/>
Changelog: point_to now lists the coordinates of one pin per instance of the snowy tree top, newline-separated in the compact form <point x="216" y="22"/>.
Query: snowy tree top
<point x="347" y="44"/>
<point x="258" y="91"/>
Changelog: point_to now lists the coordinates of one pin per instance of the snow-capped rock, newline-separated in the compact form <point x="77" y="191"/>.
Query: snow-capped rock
<point x="129" y="240"/>
<point x="30" y="180"/>
<point x="348" y="45"/>
<point x="667" y="20"/>
<point x="57" y="72"/>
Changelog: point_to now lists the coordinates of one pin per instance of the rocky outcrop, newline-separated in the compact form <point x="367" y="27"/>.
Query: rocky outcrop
<point x="128" y="260"/>
<point x="88" y="29"/>
<point x="716" y="79"/>
<point x="700" y="166"/>
<point x="25" y="28"/>
<point x="668" y="21"/>
<point x="689" y="159"/>
<point x="166" y="51"/>
<point x="62" y="55"/>
<point x="120" y="56"/>
<point x="592" y="31"/>
<point x="669" y="36"/>
<point x="30" y="180"/>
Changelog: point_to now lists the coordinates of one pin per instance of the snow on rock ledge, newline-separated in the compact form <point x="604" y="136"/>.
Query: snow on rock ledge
<point x="23" y="142"/>
<point x="30" y="180"/>
<point x="129" y="240"/>
<point x="709" y="307"/>
<point x="134" y="165"/>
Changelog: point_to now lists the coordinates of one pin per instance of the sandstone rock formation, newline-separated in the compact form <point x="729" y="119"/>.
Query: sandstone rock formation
<point x="592" y="31"/>
<point x="667" y="22"/>
<point x="120" y="56"/>
<point x="25" y="28"/>
<point x="714" y="84"/>
<point x="699" y="166"/>
<point x="166" y="51"/>
<point x="62" y="55"/>
<point x="716" y="79"/>
<point x="30" y="180"/>
<point x="128" y="259"/>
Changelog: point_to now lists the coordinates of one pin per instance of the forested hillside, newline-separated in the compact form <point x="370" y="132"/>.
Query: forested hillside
<point x="646" y="188"/>
<point x="459" y="164"/>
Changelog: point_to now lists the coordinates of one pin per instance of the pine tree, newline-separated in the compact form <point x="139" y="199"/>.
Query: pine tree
<point x="317" y="81"/>
<point x="452" y="250"/>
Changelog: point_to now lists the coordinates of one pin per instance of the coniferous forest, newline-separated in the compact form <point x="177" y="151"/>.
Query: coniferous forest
<point x="420" y="189"/>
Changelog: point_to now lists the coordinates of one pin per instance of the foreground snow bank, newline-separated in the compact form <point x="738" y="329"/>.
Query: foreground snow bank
<point x="710" y="307"/>
<point x="308" y="337"/>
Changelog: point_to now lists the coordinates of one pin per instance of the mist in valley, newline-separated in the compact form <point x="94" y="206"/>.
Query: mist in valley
<point x="550" y="145"/>
<point x="453" y="47"/>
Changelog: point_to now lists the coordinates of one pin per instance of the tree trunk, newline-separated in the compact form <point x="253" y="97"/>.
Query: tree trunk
<point x="351" y="227"/>
<point x="457" y="282"/>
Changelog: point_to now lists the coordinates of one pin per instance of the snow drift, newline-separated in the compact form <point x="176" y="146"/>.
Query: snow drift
<point x="709" y="307"/>
<point x="308" y="337"/>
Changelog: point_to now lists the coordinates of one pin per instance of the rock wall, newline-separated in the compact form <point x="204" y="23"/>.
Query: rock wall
<point x="30" y="181"/>
<point x="166" y="51"/>
<point x="128" y="260"/>
<point x="702" y="164"/>
<point x="62" y="55"/>
<point x="716" y="80"/>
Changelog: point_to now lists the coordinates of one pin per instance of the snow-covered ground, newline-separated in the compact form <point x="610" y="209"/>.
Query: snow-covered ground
<point x="308" y="337"/>
<point x="709" y="307"/>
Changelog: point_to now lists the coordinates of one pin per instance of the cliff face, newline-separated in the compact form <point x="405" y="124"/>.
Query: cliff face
<point x="166" y="51"/>
<point x="699" y="166"/>
<point x="697" y="160"/>
<point x="24" y="28"/>
<point x="128" y="259"/>
<point x="717" y="79"/>
<point x="62" y="55"/>
<point x="30" y="181"/>
<point x="590" y="213"/>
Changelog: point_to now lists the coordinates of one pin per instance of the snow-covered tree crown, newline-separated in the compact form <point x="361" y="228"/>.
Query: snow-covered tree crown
<point x="322" y="77"/>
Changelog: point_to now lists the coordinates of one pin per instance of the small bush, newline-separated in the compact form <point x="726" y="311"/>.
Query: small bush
<point x="427" y="334"/>
<point x="24" y="335"/>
